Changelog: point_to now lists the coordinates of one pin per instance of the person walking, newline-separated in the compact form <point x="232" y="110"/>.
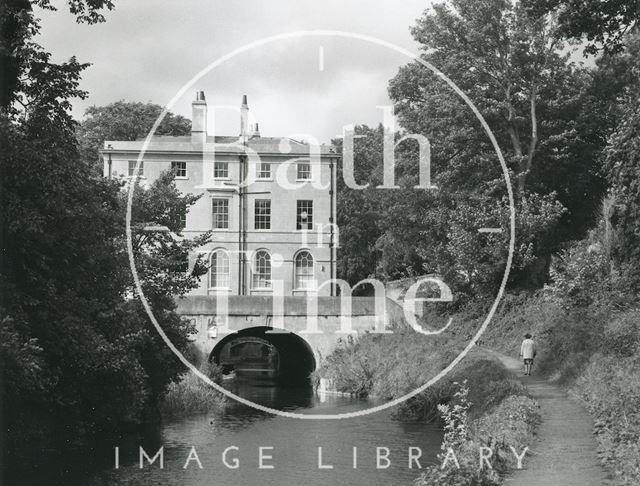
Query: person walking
<point x="527" y="353"/>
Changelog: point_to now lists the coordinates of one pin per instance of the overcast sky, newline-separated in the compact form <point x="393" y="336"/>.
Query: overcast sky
<point x="148" y="49"/>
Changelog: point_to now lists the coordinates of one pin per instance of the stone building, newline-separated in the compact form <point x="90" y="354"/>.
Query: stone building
<point x="274" y="233"/>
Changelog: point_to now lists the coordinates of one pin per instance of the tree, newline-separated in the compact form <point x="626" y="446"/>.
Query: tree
<point x="622" y="158"/>
<point x="604" y="23"/>
<point x="124" y="121"/>
<point x="89" y="357"/>
<point x="358" y="211"/>
<point x="18" y="26"/>
<point x="512" y="67"/>
<point x="81" y="356"/>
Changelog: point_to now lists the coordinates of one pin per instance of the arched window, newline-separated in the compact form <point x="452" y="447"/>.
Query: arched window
<point x="219" y="270"/>
<point x="304" y="271"/>
<point x="261" y="270"/>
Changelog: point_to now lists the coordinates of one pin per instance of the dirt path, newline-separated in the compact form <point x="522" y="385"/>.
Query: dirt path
<point x="564" y="453"/>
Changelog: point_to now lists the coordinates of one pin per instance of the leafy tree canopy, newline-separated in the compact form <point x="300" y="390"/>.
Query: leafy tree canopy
<point x="124" y="121"/>
<point x="604" y="23"/>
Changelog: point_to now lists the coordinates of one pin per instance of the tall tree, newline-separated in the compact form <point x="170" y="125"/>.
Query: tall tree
<point x="81" y="355"/>
<point x="124" y="121"/>
<point x="513" y="68"/>
<point x="18" y="25"/>
<point x="604" y="23"/>
<point x="358" y="211"/>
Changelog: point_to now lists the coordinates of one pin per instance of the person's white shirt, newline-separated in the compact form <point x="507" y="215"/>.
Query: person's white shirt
<point x="528" y="349"/>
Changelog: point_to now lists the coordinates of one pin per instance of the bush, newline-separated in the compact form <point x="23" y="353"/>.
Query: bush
<point x="512" y="423"/>
<point x="192" y="395"/>
<point x="610" y="387"/>
<point x="622" y="335"/>
<point x="488" y="381"/>
<point x="386" y="366"/>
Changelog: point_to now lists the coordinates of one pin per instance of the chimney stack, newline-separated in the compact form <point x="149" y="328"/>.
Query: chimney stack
<point x="244" y="118"/>
<point x="256" y="131"/>
<point x="199" y="119"/>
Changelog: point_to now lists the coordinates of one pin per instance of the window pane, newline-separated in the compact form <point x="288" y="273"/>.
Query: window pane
<point x="219" y="269"/>
<point x="179" y="169"/>
<point x="304" y="215"/>
<point x="262" y="270"/>
<point x="220" y="213"/>
<point x="183" y="219"/>
<point x="221" y="170"/>
<point x="304" y="271"/>
<point x="132" y="168"/>
<point x="262" y="214"/>
<point x="304" y="170"/>
<point x="264" y="170"/>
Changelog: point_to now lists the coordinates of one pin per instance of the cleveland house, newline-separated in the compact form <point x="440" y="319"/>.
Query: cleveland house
<point x="270" y="202"/>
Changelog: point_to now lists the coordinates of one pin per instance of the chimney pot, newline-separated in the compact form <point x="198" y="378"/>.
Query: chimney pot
<point x="244" y="118"/>
<point x="199" y="119"/>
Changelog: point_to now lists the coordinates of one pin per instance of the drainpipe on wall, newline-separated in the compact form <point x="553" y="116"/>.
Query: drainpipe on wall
<point x="240" y="223"/>
<point x="331" y="222"/>
<point x="110" y="148"/>
<point x="243" y="228"/>
<point x="244" y="135"/>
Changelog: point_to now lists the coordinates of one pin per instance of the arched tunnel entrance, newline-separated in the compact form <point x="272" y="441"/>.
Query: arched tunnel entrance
<point x="260" y="353"/>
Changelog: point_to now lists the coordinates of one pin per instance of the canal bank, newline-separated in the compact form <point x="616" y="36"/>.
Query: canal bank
<point x="380" y="445"/>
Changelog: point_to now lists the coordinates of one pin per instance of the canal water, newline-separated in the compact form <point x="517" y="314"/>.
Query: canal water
<point x="292" y="444"/>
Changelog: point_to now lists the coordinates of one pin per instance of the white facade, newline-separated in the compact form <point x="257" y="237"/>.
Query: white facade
<point x="274" y="234"/>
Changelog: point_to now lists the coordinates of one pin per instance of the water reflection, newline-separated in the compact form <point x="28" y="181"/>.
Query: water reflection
<point x="292" y="447"/>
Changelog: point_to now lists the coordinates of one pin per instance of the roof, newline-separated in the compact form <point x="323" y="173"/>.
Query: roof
<point x="262" y="145"/>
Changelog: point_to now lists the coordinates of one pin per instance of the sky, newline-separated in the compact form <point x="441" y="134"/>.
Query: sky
<point x="148" y="50"/>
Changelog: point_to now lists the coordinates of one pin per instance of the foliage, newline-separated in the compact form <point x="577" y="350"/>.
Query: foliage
<point x="512" y="68"/>
<point x="488" y="382"/>
<point x="623" y="168"/>
<point x="388" y="366"/>
<point x="622" y="335"/>
<point x="586" y="326"/>
<point x="546" y="113"/>
<point x="80" y="355"/>
<point x="358" y="211"/>
<point x="456" y="418"/>
<point x="604" y="23"/>
<point x="610" y="387"/>
<point x="192" y="395"/>
<point x="124" y="121"/>
<point x="18" y="26"/>
<point x="594" y="348"/>
<point x="511" y="424"/>
<point x="162" y="255"/>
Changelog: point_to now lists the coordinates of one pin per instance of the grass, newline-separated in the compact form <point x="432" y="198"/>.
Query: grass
<point x="595" y="352"/>
<point x="388" y="366"/>
<point x="511" y="424"/>
<point x="489" y="384"/>
<point x="495" y="410"/>
<point x="192" y="395"/>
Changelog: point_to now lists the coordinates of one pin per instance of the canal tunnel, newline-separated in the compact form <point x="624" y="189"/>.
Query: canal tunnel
<point x="262" y="353"/>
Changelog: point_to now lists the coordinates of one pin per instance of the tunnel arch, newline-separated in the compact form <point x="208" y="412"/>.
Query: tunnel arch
<point x="296" y="359"/>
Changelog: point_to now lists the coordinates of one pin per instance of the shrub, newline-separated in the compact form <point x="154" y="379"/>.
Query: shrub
<point x="385" y="366"/>
<point x="488" y="381"/>
<point x="622" y="335"/>
<point x="610" y="387"/>
<point x="192" y="395"/>
<point x="512" y="423"/>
